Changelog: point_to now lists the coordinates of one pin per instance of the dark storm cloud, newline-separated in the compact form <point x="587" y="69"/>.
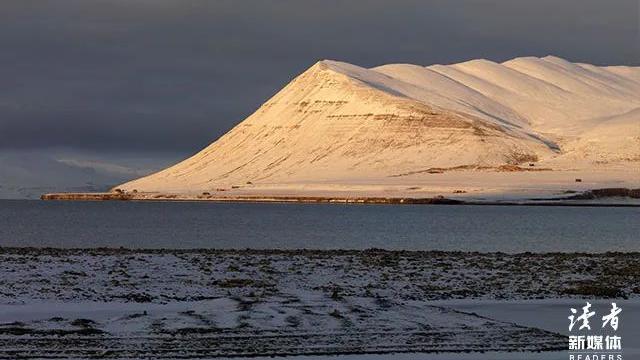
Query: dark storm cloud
<point x="174" y="75"/>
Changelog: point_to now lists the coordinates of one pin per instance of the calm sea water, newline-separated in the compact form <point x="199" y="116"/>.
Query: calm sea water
<point x="317" y="226"/>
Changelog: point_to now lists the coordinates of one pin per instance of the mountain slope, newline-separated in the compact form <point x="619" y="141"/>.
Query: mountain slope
<point x="614" y="139"/>
<point x="338" y="122"/>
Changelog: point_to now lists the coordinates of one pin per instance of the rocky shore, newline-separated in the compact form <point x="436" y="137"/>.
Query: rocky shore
<point x="596" y="197"/>
<point x="191" y="303"/>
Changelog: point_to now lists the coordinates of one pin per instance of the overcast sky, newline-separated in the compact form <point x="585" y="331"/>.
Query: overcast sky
<point x="160" y="76"/>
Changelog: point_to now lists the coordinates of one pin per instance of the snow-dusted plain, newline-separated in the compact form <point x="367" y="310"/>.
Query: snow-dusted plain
<point x="477" y="129"/>
<point x="207" y="303"/>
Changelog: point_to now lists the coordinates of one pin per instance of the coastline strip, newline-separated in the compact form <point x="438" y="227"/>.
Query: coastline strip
<point x="587" y="198"/>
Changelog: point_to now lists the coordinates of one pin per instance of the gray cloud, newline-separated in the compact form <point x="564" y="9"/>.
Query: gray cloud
<point x="30" y="173"/>
<point x="159" y="75"/>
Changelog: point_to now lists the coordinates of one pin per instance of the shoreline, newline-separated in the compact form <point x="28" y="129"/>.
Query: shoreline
<point x="103" y="251"/>
<point x="590" y="198"/>
<point x="423" y="275"/>
<point x="99" y="303"/>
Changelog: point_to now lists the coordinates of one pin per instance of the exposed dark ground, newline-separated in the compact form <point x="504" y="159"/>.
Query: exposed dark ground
<point x="408" y="275"/>
<point x="207" y="303"/>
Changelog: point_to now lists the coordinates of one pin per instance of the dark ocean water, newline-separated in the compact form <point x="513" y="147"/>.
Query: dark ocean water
<point x="317" y="226"/>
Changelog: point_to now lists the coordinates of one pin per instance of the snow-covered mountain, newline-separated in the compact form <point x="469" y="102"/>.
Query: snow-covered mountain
<point x="337" y="122"/>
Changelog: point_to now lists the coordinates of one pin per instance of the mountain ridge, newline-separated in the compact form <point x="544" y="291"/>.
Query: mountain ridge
<point x="338" y="122"/>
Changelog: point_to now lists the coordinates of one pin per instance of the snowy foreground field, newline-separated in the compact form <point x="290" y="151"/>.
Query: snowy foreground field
<point x="209" y="303"/>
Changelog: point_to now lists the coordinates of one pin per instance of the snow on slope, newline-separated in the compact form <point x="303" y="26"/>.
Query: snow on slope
<point x="338" y="121"/>
<point x="613" y="139"/>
